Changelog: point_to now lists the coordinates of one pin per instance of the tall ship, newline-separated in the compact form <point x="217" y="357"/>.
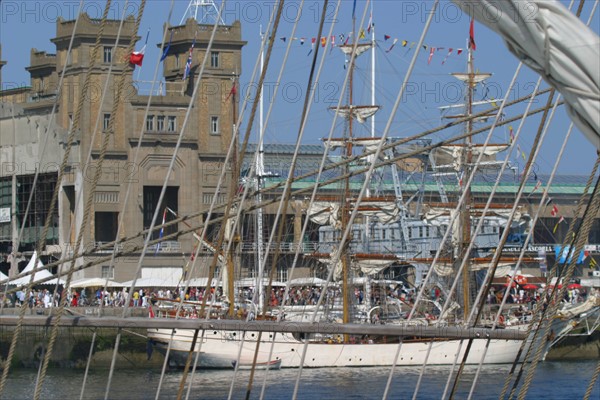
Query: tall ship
<point x="361" y="235"/>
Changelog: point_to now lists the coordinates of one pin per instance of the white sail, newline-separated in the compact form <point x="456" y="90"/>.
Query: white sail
<point x="360" y="113"/>
<point x="360" y="48"/>
<point x="325" y="213"/>
<point x="372" y="267"/>
<point x="458" y="152"/>
<point x="557" y="45"/>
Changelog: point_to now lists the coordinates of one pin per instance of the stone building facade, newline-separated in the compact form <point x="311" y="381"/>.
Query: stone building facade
<point x="199" y="160"/>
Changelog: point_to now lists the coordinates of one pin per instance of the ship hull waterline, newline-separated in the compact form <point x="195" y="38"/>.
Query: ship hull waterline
<point x="220" y="349"/>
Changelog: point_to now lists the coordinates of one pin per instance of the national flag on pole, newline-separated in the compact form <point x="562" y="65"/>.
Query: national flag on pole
<point x="392" y="46"/>
<point x="232" y="92"/>
<point x="370" y="23"/>
<point x="554" y="211"/>
<point x="166" y="50"/>
<point x="472" y="44"/>
<point x="188" y="64"/>
<point x="162" y="229"/>
<point x="137" y="57"/>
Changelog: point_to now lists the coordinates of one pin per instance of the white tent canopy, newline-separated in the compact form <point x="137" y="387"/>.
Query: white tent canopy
<point x="39" y="274"/>
<point x="94" y="282"/>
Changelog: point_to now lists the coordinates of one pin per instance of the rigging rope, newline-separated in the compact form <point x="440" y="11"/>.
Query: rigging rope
<point x="71" y="136"/>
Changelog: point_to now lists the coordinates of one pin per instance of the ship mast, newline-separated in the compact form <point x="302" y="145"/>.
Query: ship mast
<point x="466" y="206"/>
<point x="344" y="254"/>
<point x="471" y="79"/>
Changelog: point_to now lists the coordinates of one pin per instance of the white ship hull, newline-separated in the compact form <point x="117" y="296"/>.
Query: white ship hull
<point x="220" y="349"/>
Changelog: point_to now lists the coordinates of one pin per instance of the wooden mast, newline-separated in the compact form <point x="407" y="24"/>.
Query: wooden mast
<point x="344" y="254"/>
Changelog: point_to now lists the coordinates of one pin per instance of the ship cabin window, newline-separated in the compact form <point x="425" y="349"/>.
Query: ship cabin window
<point x="427" y="231"/>
<point x="420" y="231"/>
<point x="176" y="61"/>
<point x="409" y="233"/>
<point x="494" y="229"/>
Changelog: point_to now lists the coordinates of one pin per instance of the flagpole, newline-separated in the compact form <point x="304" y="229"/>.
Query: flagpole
<point x="144" y="48"/>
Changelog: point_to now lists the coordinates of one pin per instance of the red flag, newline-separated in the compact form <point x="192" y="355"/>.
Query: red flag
<point x="554" y="211"/>
<point x="232" y="92"/>
<point x="459" y="51"/>
<point x="386" y="37"/>
<point x="137" y="57"/>
<point x="472" y="35"/>
<point x="323" y="41"/>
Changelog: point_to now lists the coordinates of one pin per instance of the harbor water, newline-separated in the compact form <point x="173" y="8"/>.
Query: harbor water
<point x="553" y="380"/>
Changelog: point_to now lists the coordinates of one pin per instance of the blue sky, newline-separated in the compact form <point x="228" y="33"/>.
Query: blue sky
<point x="30" y="24"/>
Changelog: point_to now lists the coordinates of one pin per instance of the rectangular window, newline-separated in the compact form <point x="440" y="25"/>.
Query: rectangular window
<point x="105" y="122"/>
<point x="170" y="200"/>
<point x="214" y="59"/>
<point x="160" y="123"/>
<point x="108" y="272"/>
<point x="107" y="55"/>
<point x="176" y="61"/>
<point x="172" y="123"/>
<point x="214" y="125"/>
<point x="150" y="123"/>
<point x="105" y="227"/>
<point x="70" y="120"/>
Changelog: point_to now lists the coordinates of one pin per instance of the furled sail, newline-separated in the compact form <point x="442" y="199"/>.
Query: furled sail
<point x="325" y="213"/>
<point x="360" y="113"/>
<point x="372" y="266"/>
<point x="360" y="48"/>
<point x="457" y="152"/>
<point x="554" y="43"/>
